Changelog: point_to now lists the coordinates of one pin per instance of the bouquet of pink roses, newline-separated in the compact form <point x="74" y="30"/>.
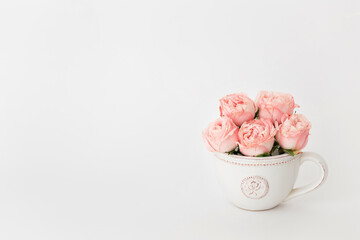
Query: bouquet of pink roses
<point x="266" y="127"/>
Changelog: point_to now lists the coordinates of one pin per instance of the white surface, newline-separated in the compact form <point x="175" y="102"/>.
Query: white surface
<point x="102" y="104"/>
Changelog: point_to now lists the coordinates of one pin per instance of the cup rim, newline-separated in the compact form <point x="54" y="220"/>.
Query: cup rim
<point x="256" y="161"/>
<point x="255" y="158"/>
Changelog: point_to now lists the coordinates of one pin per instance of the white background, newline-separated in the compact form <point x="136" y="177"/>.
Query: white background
<point x="102" y="104"/>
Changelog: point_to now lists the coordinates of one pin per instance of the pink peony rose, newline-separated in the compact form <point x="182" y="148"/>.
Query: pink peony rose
<point x="275" y="106"/>
<point x="293" y="133"/>
<point x="256" y="137"/>
<point x="239" y="107"/>
<point x="221" y="135"/>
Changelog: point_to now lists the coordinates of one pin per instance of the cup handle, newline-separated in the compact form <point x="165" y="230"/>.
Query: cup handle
<point x="316" y="158"/>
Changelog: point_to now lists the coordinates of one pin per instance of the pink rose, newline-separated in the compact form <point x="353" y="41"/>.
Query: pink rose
<point x="293" y="133"/>
<point x="275" y="106"/>
<point x="221" y="135"/>
<point x="239" y="107"/>
<point x="256" y="137"/>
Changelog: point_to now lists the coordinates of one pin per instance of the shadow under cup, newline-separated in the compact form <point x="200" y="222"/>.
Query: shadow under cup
<point x="260" y="183"/>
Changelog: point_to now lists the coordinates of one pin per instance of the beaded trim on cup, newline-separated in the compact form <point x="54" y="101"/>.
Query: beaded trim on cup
<point x="259" y="164"/>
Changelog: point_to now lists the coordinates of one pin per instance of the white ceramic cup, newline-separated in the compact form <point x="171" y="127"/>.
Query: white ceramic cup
<point x="260" y="183"/>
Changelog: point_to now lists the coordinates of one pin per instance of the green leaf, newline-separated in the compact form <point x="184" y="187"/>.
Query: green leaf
<point x="281" y="150"/>
<point x="291" y="152"/>
<point x="275" y="146"/>
<point x="263" y="155"/>
<point x="257" y="114"/>
<point x="234" y="152"/>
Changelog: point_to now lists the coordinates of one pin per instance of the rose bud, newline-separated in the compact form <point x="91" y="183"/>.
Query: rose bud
<point x="275" y="106"/>
<point x="221" y="135"/>
<point x="256" y="137"/>
<point x="293" y="133"/>
<point x="239" y="107"/>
